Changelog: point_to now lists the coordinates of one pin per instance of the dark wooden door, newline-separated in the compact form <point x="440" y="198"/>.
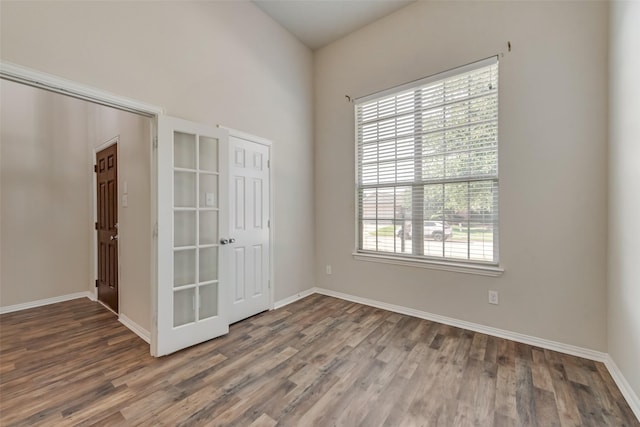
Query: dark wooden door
<point x="107" y="226"/>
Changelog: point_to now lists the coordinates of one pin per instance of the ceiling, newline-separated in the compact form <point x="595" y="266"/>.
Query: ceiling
<point x="316" y="23"/>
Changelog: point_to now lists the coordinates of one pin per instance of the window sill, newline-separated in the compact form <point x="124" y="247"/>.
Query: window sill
<point x="482" y="270"/>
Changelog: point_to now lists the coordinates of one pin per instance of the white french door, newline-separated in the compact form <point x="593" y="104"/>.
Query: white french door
<point x="192" y="200"/>
<point x="249" y="251"/>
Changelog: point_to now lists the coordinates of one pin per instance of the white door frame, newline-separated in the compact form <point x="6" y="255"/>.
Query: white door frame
<point x="51" y="83"/>
<point x="269" y="144"/>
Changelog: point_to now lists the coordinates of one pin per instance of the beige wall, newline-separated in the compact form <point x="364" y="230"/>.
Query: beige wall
<point x="214" y="62"/>
<point x="553" y="134"/>
<point x="45" y="211"/>
<point x="134" y="221"/>
<point x="624" y="190"/>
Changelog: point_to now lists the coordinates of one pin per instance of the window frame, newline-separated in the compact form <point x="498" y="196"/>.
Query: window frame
<point x="482" y="267"/>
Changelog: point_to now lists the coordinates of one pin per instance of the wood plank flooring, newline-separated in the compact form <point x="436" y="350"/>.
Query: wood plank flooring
<point x="318" y="362"/>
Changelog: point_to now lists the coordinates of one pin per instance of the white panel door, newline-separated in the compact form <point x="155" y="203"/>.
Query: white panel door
<point x="192" y="190"/>
<point x="249" y="228"/>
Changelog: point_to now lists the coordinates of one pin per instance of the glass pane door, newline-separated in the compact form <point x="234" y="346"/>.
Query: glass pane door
<point x="191" y="198"/>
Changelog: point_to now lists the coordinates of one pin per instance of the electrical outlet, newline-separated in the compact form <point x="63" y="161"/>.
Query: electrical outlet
<point x="328" y="269"/>
<point x="493" y="297"/>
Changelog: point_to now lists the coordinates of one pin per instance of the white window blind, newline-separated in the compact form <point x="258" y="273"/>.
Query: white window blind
<point x="427" y="167"/>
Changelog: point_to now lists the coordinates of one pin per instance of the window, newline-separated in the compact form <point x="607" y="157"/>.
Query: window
<point x="427" y="168"/>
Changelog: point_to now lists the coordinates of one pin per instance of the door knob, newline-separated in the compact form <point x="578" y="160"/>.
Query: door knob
<point x="114" y="237"/>
<point x="224" y="241"/>
<point x="232" y="240"/>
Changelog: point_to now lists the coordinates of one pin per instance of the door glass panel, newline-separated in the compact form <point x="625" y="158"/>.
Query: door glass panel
<point x="184" y="267"/>
<point x="208" y="264"/>
<point x="184" y="150"/>
<point x="184" y="306"/>
<point x="208" y="301"/>
<point x="184" y="228"/>
<point x="208" y="154"/>
<point x="195" y="216"/>
<point x="208" y="227"/>
<point x="184" y="189"/>
<point x="208" y="191"/>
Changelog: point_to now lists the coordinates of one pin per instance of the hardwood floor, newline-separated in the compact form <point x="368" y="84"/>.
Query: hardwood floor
<point x="318" y="362"/>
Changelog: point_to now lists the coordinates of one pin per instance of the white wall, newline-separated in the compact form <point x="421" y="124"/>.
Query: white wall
<point x="553" y="135"/>
<point x="624" y="190"/>
<point x="45" y="211"/>
<point x="215" y="62"/>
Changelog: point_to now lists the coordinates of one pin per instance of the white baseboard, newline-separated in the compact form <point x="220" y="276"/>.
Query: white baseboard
<point x="135" y="328"/>
<point x="625" y="388"/>
<point x="294" y="298"/>
<point x="476" y="327"/>
<point x="41" y="302"/>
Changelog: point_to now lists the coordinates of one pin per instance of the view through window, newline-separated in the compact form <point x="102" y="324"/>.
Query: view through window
<point x="427" y="167"/>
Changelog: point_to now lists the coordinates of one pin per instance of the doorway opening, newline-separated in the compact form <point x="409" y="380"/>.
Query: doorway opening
<point x="51" y="140"/>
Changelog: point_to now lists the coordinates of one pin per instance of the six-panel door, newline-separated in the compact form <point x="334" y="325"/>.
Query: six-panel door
<point x="107" y="225"/>
<point x="249" y="231"/>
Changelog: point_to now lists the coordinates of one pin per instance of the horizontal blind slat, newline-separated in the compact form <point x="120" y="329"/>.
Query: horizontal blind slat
<point x="428" y="104"/>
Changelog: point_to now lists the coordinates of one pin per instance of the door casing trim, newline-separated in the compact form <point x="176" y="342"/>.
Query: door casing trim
<point x="30" y="77"/>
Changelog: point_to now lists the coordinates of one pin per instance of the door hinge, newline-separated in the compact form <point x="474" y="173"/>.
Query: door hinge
<point x="96" y="224"/>
<point x="96" y="283"/>
<point x="155" y="142"/>
<point x="268" y="223"/>
<point x="268" y="164"/>
<point x="269" y="284"/>
<point x="155" y="230"/>
<point x="95" y="168"/>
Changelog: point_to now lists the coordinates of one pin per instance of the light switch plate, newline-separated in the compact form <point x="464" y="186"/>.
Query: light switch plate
<point x="493" y="297"/>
